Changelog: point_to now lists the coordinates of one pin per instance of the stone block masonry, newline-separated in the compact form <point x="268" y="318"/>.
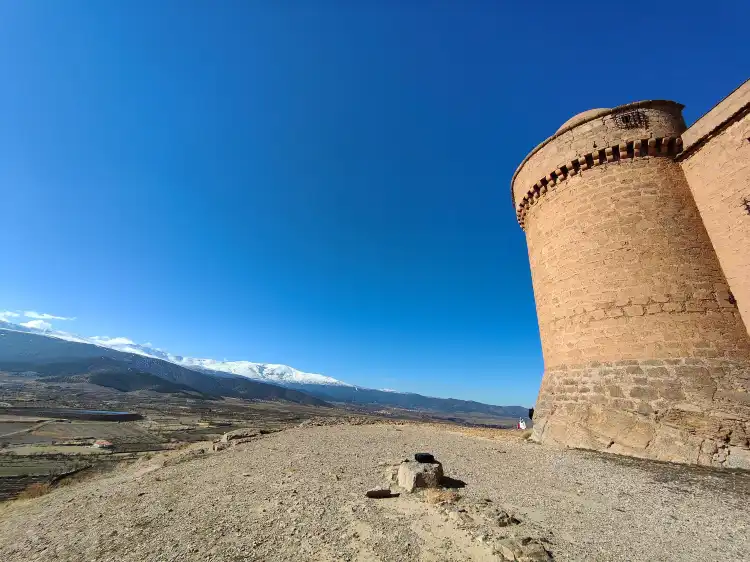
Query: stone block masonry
<point x="622" y="268"/>
<point x="716" y="162"/>
<point x="682" y="410"/>
<point x="645" y="350"/>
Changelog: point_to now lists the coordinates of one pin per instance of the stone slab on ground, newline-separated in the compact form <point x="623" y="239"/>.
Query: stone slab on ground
<point x="413" y="475"/>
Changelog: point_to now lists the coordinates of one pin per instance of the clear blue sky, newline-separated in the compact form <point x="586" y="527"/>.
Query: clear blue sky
<point x="322" y="184"/>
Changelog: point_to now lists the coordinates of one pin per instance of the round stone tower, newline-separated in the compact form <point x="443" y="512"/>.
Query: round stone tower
<point x="645" y="353"/>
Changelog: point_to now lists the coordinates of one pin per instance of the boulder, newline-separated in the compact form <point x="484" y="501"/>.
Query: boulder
<point x="412" y="475"/>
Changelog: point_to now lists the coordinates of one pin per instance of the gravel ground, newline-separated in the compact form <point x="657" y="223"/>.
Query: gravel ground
<point x="299" y="495"/>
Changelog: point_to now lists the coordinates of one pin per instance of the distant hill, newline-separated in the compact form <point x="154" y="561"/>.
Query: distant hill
<point x="356" y="395"/>
<point x="232" y="378"/>
<point x="111" y="374"/>
<point x="20" y="351"/>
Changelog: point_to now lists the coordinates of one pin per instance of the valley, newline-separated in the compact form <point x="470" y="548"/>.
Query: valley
<point x="48" y="425"/>
<point x="47" y="429"/>
<point x="62" y="395"/>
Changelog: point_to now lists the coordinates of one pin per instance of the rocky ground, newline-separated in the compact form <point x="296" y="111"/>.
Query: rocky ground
<point x="300" y="495"/>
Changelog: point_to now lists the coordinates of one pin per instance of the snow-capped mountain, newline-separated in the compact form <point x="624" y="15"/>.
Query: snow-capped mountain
<point x="70" y="360"/>
<point x="265" y="372"/>
<point x="224" y="376"/>
<point x="280" y="374"/>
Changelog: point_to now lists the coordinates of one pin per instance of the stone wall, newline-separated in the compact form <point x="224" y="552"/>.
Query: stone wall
<point x="622" y="268"/>
<point x="716" y="163"/>
<point x="644" y="348"/>
<point x="685" y="410"/>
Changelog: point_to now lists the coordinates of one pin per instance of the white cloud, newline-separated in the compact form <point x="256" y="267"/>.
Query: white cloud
<point x="38" y="324"/>
<point x="44" y="316"/>
<point x="104" y="340"/>
<point x="4" y="315"/>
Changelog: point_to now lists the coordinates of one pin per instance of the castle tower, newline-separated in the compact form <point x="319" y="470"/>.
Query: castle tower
<point x="645" y="352"/>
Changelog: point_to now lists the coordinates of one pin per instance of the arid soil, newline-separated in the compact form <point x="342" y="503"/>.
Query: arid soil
<point x="300" y="495"/>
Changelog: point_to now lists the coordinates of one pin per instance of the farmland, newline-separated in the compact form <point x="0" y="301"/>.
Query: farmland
<point x="47" y="430"/>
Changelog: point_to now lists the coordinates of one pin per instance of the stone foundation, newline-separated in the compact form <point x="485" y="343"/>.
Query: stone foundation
<point x="690" y="410"/>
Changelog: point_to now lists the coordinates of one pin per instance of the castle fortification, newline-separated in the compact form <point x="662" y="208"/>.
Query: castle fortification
<point x="638" y="233"/>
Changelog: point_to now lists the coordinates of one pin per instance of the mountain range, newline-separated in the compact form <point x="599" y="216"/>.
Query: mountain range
<point x="77" y="358"/>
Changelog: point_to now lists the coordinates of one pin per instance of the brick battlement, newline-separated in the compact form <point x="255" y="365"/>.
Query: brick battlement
<point x="626" y="150"/>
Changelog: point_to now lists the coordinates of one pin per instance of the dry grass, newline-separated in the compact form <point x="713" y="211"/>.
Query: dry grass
<point x="526" y="434"/>
<point x="35" y="490"/>
<point x="437" y="497"/>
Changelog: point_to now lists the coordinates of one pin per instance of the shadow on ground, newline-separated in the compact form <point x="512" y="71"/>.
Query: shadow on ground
<point x="682" y="477"/>
<point x="448" y="482"/>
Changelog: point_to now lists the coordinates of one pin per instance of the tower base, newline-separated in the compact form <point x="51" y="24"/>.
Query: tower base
<point x="694" y="411"/>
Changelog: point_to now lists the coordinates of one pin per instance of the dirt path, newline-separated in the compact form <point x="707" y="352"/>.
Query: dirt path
<point x="299" y="495"/>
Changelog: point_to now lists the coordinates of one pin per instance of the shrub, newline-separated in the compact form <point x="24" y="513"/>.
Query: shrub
<point x="436" y="496"/>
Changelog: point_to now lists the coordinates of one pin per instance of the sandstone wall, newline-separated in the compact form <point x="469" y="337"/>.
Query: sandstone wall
<point x="645" y="352"/>
<point x="622" y="268"/>
<point x="687" y="410"/>
<point x="716" y="162"/>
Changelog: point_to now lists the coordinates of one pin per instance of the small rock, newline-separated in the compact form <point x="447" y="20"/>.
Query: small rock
<point x="738" y="458"/>
<point x="379" y="493"/>
<point x="524" y="550"/>
<point x="424" y="457"/>
<point x="509" y="548"/>
<point x="241" y="440"/>
<point x="506" y="520"/>
<point x="460" y="517"/>
<point x="244" y="433"/>
<point x="534" y="552"/>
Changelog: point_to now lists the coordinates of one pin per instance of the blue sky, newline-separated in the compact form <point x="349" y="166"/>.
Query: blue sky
<point x="321" y="184"/>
